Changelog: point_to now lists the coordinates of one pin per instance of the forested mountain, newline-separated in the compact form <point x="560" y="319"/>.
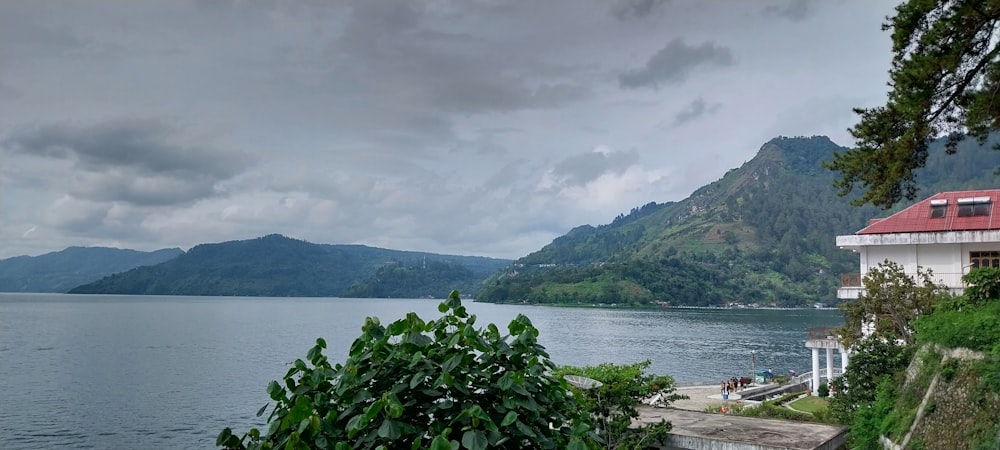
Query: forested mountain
<point x="764" y="233"/>
<point x="278" y="266"/>
<point x="61" y="271"/>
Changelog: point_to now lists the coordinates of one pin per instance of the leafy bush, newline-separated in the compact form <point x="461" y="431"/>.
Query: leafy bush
<point x="983" y="284"/>
<point x="613" y="404"/>
<point x="871" y="360"/>
<point x="441" y="384"/>
<point x="824" y="390"/>
<point x="868" y="421"/>
<point x="974" y="327"/>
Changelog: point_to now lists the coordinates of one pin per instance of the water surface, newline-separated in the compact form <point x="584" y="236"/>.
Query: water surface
<point x="170" y="372"/>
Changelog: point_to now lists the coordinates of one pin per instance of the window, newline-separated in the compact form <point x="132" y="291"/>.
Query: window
<point x="938" y="208"/>
<point x="975" y="206"/>
<point x="984" y="259"/>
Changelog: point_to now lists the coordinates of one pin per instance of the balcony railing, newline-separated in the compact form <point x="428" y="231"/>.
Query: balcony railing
<point x="850" y="280"/>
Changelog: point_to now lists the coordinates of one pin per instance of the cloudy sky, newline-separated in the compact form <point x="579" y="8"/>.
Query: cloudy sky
<point x="475" y="127"/>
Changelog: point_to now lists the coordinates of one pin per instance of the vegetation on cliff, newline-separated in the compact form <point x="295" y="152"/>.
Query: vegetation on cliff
<point x="940" y="392"/>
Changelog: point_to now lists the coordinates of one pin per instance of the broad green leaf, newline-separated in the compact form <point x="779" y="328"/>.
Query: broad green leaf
<point x="474" y="440"/>
<point x="373" y="409"/>
<point x="390" y="429"/>
<point x="576" y="444"/>
<point x="505" y="382"/>
<point x="509" y="418"/>
<point x="524" y="429"/>
<point x="416" y="379"/>
<point x="356" y="424"/>
<point x="452" y="363"/>
<point x="275" y="391"/>
<point x="223" y="436"/>
<point x="440" y="442"/>
<point x="260" y="411"/>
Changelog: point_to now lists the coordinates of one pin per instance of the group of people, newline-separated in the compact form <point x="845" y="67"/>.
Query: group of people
<point x="733" y="384"/>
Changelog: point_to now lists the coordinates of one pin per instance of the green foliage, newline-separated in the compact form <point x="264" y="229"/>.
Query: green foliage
<point x="774" y="409"/>
<point x="868" y="423"/>
<point x="613" y="405"/>
<point x="441" y="384"/>
<point x="824" y="390"/>
<point x="944" y="77"/>
<point x="982" y="284"/>
<point x="973" y="327"/>
<point x="892" y="301"/>
<point x="433" y="279"/>
<point x="872" y="360"/>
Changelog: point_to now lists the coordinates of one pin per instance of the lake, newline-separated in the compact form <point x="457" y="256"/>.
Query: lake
<point x="102" y="372"/>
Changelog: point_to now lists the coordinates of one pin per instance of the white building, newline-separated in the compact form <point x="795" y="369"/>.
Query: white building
<point x="948" y="233"/>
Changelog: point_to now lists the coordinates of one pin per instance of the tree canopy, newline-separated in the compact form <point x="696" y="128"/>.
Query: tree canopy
<point x="944" y="78"/>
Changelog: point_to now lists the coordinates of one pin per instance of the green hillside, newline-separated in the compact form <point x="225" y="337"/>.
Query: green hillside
<point x="278" y="266"/>
<point x="61" y="271"/>
<point x="762" y="234"/>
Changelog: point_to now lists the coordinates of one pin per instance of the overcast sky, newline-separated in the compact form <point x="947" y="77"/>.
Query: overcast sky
<point x="473" y="127"/>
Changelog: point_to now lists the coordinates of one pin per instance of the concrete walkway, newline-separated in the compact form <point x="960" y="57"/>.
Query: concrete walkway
<point x="701" y="397"/>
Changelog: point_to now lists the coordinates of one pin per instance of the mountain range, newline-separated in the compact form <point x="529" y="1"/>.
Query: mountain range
<point x="762" y="234"/>
<point x="278" y="266"/>
<point x="63" y="270"/>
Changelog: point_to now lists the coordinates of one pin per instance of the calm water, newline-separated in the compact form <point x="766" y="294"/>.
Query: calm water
<point x="171" y="372"/>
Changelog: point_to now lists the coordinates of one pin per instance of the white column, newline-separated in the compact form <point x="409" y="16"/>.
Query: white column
<point x="829" y="364"/>
<point x="815" y="372"/>
<point x="843" y="360"/>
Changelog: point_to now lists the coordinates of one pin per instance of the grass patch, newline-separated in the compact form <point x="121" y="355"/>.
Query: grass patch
<point x="809" y="404"/>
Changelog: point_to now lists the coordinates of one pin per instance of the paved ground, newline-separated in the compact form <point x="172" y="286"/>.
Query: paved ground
<point x="692" y="427"/>
<point x="702" y="397"/>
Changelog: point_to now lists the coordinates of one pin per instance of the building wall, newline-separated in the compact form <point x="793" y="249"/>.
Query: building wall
<point x="947" y="262"/>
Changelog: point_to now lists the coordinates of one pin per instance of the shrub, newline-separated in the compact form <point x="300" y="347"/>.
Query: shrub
<point x="613" y="404"/>
<point x="973" y="327"/>
<point x="824" y="390"/>
<point x="441" y="384"/>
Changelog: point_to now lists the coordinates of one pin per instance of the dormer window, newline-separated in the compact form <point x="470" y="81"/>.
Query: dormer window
<point x="973" y="206"/>
<point x="938" y="208"/>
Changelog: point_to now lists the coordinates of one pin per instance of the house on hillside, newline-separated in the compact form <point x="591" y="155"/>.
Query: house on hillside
<point x="948" y="233"/>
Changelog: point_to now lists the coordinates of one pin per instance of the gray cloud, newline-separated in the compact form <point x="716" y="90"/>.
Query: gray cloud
<point x="635" y="9"/>
<point x="675" y="62"/>
<point x="581" y="169"/>
<point x="694" y="110"/>
<point x="134" y="161"/>
<point x="794" y="10"/>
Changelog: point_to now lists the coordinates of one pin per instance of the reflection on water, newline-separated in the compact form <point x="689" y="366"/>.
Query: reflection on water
<point x="154" y="372"/>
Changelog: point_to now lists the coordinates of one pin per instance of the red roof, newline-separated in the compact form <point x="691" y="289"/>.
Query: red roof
<point x="917" y="218"/>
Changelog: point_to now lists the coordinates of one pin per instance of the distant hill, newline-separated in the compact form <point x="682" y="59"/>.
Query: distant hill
<point x="61" y="271"/>
<point x="762" y="234"/>
<point x="278" y="266"/>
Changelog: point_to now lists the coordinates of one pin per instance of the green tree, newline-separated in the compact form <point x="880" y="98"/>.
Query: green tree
<point x="945" y="76"/>
<point x="613" y="404"/>
<point x="890" y="303"/>
<point x="983" y="284"/>
<point x="442" y="384"/>
<point x="873" y="360"/>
